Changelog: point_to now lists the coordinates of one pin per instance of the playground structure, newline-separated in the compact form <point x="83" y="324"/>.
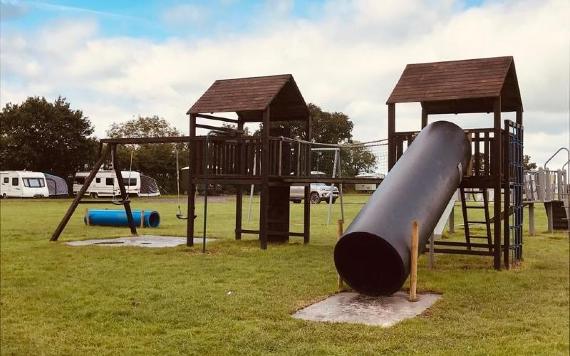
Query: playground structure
<point x="273" y="161"/>
<point x="455" y="87"/>
<point x="549" y="187"/>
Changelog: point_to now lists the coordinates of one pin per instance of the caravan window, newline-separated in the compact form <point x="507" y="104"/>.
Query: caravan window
<point x="6" y="180"/>
<point x="109" y="181"/>
<point x="15" y="182"/>
<point x="130" y="182"/>
<point x="79" y="180"/>
<point x="34" y="182"/>
<point x="97" y="180"/>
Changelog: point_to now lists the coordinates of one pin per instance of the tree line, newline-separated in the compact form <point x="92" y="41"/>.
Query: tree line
<point x="52" y="137"/>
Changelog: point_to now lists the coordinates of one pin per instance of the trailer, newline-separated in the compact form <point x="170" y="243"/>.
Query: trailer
<point x="105" y="183"/>
<point x="23" y="184"/>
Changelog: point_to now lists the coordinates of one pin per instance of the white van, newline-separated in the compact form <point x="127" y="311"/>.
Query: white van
<point x="23" y="184"/>
<point x="105" y="183"/>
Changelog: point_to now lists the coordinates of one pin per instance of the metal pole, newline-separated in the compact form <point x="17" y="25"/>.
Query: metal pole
<point x="332" y="187"/>
<point x="251" y="191"/>
<point x="206" y="161"/>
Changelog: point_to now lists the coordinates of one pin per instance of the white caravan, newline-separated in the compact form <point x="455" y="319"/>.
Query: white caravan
<point x="23" y="184"/>
<point x="105" y="183"/>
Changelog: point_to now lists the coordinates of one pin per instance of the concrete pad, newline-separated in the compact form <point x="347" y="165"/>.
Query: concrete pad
<point x="355" y="308"/>
<point x="151" y="241"/>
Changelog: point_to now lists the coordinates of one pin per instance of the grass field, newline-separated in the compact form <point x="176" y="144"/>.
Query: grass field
<point x="58" y="299"/>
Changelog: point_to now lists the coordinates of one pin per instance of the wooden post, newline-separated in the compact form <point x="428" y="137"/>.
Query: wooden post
<point x="191" y="187"/>
<point x="307" y="188"/>
<point x="339" y="231"/>
<point x="79" y="196"/>
<point x="431" y="253"/>
<point x="414" y="262"/>
<point x="424" y="118"/>
<point x="550" y="216"/>
<point x="264" y="172"/>
<point x="391" y="136"/>
<point x="240" y="162"/>
<point x="498" y="154"/>
<point x="451" y="224"/>
<point x="306" y="214"/>
<point x="531" y="229"/>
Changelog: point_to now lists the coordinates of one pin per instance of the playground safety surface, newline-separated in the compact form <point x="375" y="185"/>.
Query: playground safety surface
<point x="355" y="308"/>
<point x="152" y="241"/>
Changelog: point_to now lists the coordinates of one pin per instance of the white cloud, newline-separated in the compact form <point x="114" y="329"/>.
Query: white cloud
<point x="348" y="61"/>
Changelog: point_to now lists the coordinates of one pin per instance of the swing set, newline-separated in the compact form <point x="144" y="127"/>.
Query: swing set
<point x="271" y="161"/>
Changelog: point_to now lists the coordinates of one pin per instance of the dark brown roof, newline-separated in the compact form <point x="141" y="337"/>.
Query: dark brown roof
<point x="249" y="97"/>
<point x="460" y="86"/>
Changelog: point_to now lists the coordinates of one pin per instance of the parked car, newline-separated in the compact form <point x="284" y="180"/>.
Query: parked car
<point x="23" y="184"/>
<point x="319" y="192"/>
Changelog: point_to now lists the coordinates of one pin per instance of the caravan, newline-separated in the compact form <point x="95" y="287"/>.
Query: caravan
<point x="23" y="184"/>
<point x="105" y="183"/>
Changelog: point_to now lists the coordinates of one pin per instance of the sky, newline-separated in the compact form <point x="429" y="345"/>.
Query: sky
<point x="116" y="60"/>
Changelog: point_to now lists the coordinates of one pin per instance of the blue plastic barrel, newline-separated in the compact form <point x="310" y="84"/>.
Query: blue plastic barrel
<point x="118" y="217"/>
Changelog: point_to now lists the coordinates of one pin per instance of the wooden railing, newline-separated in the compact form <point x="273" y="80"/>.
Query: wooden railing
<point x="481" y="147"/>
<point x="242" y="156"/>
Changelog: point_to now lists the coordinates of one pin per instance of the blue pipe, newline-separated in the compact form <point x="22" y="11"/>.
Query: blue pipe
<point x="118" y="217"/>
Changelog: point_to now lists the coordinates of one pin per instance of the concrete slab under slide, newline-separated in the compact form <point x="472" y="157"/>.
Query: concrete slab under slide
<point x="152" y="241"/>
<point x="355" y="308"/>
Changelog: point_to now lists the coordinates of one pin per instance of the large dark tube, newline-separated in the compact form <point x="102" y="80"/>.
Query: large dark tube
<point x="374" y="253"/>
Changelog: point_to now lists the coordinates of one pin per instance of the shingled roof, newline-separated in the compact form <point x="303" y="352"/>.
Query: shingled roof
<point x="249" y="97"/>
<point x="460" y="86"/>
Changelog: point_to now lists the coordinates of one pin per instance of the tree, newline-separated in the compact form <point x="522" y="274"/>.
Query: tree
<point x="527" y="164"/>
<point x="48" y="137"/>
<point x="155" y="160"/>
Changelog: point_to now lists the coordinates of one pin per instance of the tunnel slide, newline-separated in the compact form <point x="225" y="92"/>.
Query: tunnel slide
<point x="373" y="255"/>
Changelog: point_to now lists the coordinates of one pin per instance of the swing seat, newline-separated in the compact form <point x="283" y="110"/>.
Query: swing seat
<point x="120" y="202"/>
<point x="183" y="217"/>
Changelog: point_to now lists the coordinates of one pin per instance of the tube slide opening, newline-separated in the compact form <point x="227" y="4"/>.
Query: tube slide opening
<point x="369" y="264"/>
<point x="153" y="219"/>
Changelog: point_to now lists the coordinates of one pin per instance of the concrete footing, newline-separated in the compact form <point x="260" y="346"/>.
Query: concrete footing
<point x="349" y="307"/>
<point x="151" y="241"/>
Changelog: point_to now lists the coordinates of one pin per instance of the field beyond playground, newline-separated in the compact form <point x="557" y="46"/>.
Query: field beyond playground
<point x="237" y="299"/>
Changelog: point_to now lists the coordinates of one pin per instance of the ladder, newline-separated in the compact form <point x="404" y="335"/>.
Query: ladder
<point x="467" y="206"/>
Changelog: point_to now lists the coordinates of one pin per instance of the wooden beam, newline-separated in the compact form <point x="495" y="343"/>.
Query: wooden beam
<point x="217" y="118"/>
<point x="216" y="128"/>
<point x="79" y="196"/>
<point x="145" y="140"/>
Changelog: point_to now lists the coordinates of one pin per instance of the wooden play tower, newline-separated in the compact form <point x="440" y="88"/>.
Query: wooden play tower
<point x="485" y="85"/>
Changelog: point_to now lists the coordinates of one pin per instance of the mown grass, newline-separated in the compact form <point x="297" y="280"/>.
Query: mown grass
<point x="237" y="299"/>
